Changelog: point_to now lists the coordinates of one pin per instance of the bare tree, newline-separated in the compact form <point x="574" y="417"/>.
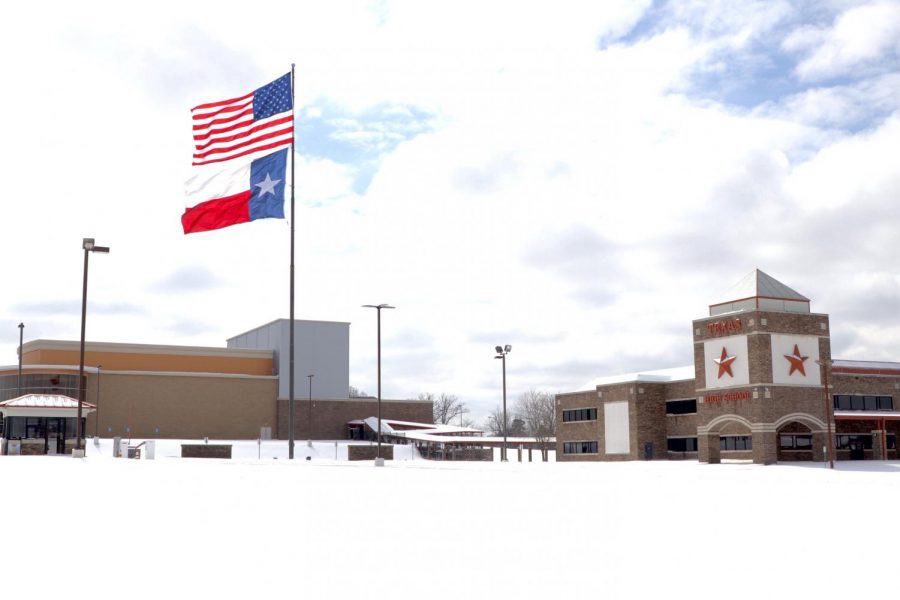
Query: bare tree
<point x="358" y="393"/>
<point x="493" y="424"/>
<point x="445" y="408"/>
<point x="538" y="409"/>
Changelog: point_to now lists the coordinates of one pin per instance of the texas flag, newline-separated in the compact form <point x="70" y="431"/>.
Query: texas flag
<point x="240" y="191"/>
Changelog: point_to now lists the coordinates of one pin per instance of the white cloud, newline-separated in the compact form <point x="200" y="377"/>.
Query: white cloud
<point x="567" y="198"/>
<point x="858" y="37"/>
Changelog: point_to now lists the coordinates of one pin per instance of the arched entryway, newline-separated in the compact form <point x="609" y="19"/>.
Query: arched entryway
<point x="800" y="437"/>
<point x="725" y="437"/>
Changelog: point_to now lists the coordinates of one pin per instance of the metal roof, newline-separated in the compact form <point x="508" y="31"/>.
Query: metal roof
<point x="44" y="401"/>
<point x="757" y="284"/>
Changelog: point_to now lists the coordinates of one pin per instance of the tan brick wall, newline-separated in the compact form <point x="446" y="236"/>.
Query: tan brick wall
<point x="182" y="407"/>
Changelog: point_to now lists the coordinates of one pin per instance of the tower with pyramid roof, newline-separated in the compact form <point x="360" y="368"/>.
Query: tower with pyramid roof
<point x="757" y="360"/>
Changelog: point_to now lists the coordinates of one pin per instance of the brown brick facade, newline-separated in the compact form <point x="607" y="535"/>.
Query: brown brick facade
<point x="760" y="410"/>
<point x="330" y="417"/>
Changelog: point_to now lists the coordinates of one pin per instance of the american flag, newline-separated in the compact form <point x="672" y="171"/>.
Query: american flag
<point x="260" y="120"/>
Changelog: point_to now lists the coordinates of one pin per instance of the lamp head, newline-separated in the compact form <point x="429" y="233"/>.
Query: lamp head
<point x="87" y="243"/>
<point x="499" y="349"/>
<point x="508" y="348"/>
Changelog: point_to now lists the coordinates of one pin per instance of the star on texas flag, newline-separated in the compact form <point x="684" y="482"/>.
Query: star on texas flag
<point x="796" y="361"/>
<point x="724" y="363"/>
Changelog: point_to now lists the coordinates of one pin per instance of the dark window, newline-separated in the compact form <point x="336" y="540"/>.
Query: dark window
<point x="846" y="442"/>
<point x="891" y="441"/>
<point x="682" y="444"/>
<point x="858" y="402"/>
<point x="795" y="442"/>
<point x="736" y="442"/>
<point x="580" y="447"/>
<point x="681" y="407"/>
<point x="41" y="383"/>
<point x="580" y="414"/>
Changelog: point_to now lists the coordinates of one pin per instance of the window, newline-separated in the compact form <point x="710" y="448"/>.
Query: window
<point x="795" y="442"/>
<point x="858" y="402"/>
<point x="580" y="448"/>
<point x="580" y="414"/>
<point x="848" y="442"/>
<point x="736" y="442"/>
<point x="681" y="407"/>
<point x="681" y="444"/>
<point x="41" y="383"/>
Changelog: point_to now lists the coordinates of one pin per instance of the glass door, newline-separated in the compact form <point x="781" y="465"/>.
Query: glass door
<point x="55" y="436"/>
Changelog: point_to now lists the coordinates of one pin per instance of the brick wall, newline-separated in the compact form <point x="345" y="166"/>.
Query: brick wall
<point x="329" y="417"/>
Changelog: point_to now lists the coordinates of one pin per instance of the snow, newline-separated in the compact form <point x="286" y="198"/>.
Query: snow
<point x="204" y="528"/>
<point x="656" y="376"/>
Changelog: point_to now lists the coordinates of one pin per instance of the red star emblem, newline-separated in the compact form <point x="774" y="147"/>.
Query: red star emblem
<point x="724" y="363"/>
<point x="796" y="361"/>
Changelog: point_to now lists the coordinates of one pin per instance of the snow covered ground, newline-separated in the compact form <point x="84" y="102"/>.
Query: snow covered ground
<point x="248" y="528"/>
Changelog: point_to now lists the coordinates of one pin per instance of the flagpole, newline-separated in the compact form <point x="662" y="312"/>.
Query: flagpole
<point x="291" y="351"/>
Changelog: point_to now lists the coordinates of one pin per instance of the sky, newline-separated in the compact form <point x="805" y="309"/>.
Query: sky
<point x="576" y="179"/>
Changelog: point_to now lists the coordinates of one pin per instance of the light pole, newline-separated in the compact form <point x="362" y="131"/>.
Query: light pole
<point x="379" y="462"/>
<point x="502" y="351"/>
<point x="21" y="329"/>
<point x="825" y="363"/>
<point x="88" y="245"/>
<point x="309" y="416"/>
<point x="97" y="414"/>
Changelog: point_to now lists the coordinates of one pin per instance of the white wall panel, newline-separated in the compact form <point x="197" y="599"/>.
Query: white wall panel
<point x="806" y="370"/>
<point x="615" y="424"/>
<point x="734" y="346"/>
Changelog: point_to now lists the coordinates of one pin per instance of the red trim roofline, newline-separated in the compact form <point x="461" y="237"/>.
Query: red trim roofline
<point x="865" y="371"/>
<point x="757" y="298"/>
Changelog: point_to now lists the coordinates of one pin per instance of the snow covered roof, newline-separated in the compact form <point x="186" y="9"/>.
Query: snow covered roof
<point x="757" y="284"/>
<point x="393" y="425"/>
<point x="865" y="415"/>
<point x="44" y="405"/>
<point x="44" y="401"/>
<point x="657" y="376"/>
<point x="865" y="367"/>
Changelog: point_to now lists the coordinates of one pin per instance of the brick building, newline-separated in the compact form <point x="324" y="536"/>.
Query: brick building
<point x="763" y="386"/>
<point x="190" y="392"/>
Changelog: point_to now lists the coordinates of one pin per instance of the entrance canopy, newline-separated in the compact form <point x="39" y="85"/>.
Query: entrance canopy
<point x="40" y="405"/>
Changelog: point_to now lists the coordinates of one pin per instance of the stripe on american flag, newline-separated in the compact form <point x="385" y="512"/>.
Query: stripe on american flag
<point x="228" y="129"/>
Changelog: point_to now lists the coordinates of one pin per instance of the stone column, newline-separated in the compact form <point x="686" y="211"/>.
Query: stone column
<point x="708" y="448"/>
<point x="819" y="453"/>
<point x="765" y="447"/>
<point x="877" y="437"/>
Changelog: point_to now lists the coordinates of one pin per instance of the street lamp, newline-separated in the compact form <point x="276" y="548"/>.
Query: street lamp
<point x="379" y="462"/>
<point x="502" y="351"/>
<point x="309" y="417"/>
<point x="825" y="363"/>
<point x="97" y="414"/>
<point x="21" y="329"/>
<point x="88" y="245"/>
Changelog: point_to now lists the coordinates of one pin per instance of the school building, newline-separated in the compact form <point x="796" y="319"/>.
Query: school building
<point x="239" y="391"/>
<point x="763" y="386"/>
